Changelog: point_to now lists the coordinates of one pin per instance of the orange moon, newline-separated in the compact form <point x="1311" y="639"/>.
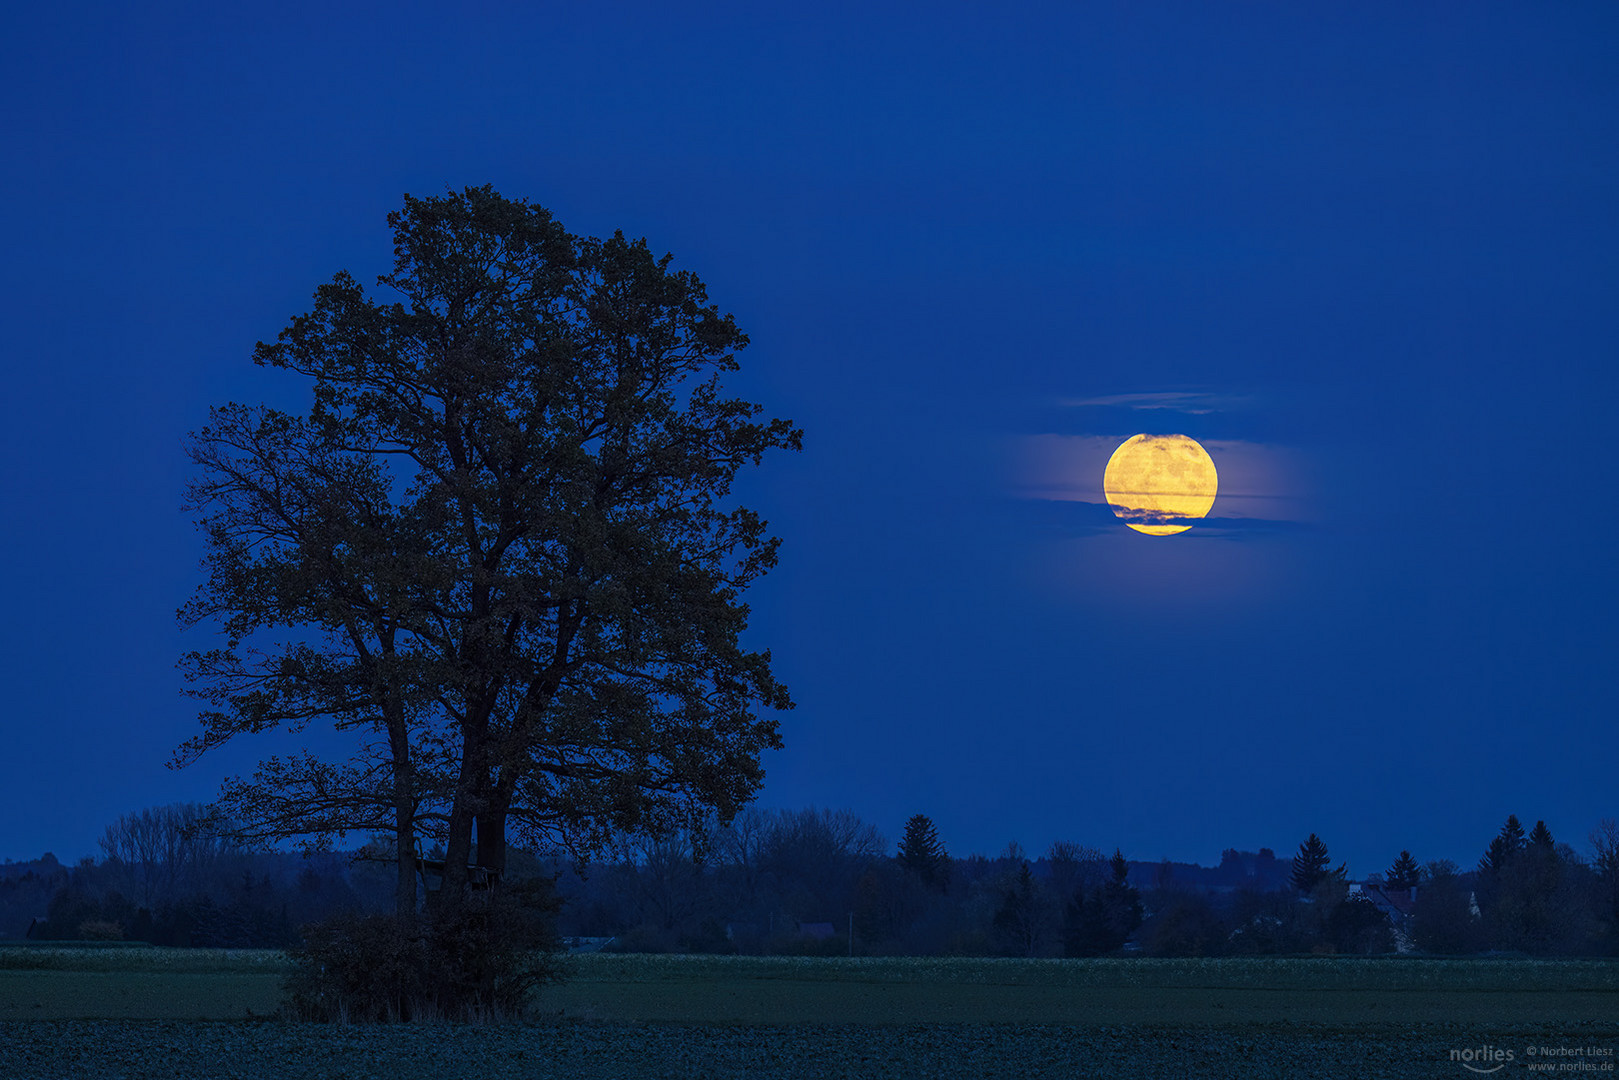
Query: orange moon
<point x="1158" y="483"/>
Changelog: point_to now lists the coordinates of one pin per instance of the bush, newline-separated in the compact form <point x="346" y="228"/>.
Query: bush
<point x="1356" y="926"/>
<point x="1442" y="920"/>
<point x="100" y="930"/>
<point x="643" y="938"/>
<point x="1187" y="926"/>
<point x="709" y="937"/>
<point x="478" y="964"/>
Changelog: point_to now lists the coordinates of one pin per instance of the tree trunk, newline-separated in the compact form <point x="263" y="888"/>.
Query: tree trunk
<point x="491" y="851"/>
<point x="457" y="857"/>
<point x="405" y="848"/>
<point x="470" y="791"/>
<point x="404" y="778"/>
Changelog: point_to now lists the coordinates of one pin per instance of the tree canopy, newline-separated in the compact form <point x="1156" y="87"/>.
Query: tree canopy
<point x="496" y="548"/>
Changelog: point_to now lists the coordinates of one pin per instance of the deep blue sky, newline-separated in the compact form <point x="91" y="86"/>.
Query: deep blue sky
<point x="1375" y="249"/>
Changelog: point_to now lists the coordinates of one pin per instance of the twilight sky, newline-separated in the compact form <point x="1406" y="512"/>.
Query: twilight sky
<point x="1368" y="258"/>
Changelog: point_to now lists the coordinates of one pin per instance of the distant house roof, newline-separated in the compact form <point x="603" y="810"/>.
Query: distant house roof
<point x="1392" y="901"/>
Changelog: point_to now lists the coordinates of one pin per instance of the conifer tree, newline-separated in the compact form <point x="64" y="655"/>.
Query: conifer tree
<point x="1506" y="846"/>
<point x="1512" y="832"/>
<point x="1310" y="865"/>
<point x="1541" y="838"/>
<point x="1404" y="873"/>
<point x="1097" y="922"/>
<point x="1121" y="902"/>
<point x="1018" y="919"/>
<point x="1120" y="867"/>
<point x="921" y="852"/>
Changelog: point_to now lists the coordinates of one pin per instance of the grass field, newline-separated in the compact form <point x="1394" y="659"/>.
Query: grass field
<point x="137" y="1012"/>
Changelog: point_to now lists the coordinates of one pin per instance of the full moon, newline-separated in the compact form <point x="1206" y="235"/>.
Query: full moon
<point x="1154" y="482"/>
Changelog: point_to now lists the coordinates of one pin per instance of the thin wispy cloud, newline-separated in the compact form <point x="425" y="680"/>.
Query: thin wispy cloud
<point x="1183" y="401"/>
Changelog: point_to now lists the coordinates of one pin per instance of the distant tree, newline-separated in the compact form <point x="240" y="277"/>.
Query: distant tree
<point x="1404" y="873"/>
<point x="1098" y="921"/>
<point x="1083" y="930"/>
<point x="1071" y="866"/>
<point x="1501" y="856"/>
<point x="1019" y="920"/>
<point x="1267" y="923"/>
<point x="1495" y="859"/>
<point x="670" y="883"/>
<point x="1506" y="846"/>
<point x="1604" y="840"/>
<point x="922" y="854"/>
<point x="162" y="852"/>
<point x="1357" y="927"/>
<point x="815" y="858"/>
<point x="1120" y="903"/>
<point x="1187" y="925"/>
<point x="1537" y="896"/>
<point x="1269" y="872"/>
<point x="1164" y="878"/>
<point x="886" y="901"/>
<point x="1310" y="865"/>
<point x="1443" y="919"/>
<point x="1512" y="832"/>
<point x="741" y="847"/>
<point x="1233" y="870"/>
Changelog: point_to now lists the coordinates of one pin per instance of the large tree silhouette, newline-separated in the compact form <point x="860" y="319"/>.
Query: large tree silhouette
<point x="496" y="549"/>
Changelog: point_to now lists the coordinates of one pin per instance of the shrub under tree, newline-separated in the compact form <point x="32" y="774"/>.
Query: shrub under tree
<point x="479" y="961"/>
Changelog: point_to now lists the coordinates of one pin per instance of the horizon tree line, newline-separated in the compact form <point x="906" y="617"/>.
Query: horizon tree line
<point x="754" y="886"/>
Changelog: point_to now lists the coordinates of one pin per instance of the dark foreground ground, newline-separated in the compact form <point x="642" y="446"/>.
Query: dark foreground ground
<point x="132" y="1013"/>
<point x="179" y="1050"/>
